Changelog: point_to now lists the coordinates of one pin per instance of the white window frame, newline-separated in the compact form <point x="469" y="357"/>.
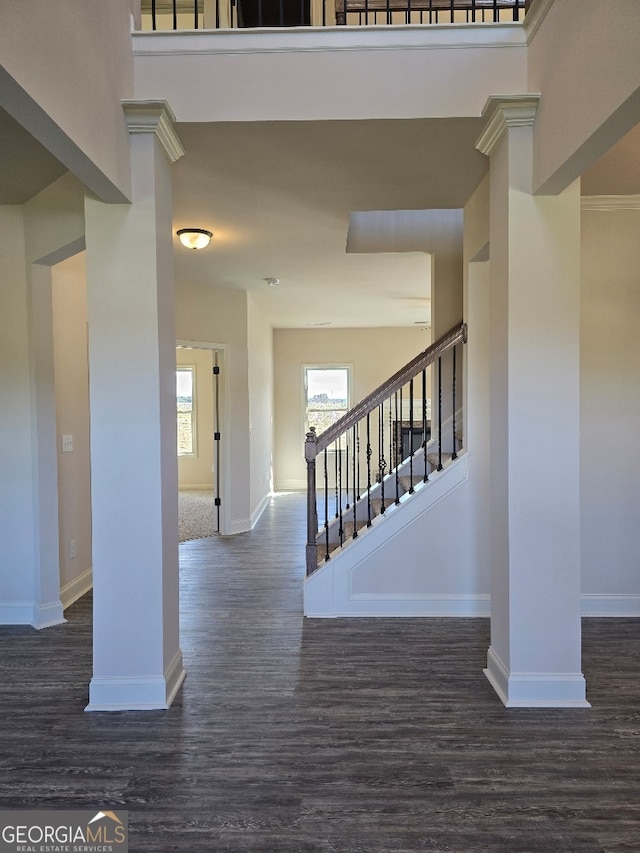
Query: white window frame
<point x="194" y="418"/>
<point x="328" y="366"/>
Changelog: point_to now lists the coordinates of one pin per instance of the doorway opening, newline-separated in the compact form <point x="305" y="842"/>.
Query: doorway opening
<point x="201" y="440"/>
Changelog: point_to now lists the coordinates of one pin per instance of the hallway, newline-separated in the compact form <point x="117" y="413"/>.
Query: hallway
<point x="325" y="736"/>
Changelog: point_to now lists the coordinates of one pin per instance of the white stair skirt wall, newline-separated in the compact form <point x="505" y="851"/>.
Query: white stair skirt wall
<point x="433" y="564"/>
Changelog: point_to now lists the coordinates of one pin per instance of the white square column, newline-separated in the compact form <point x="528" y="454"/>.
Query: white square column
<point x="535" y="654"/>
<point x="137" y="661"/>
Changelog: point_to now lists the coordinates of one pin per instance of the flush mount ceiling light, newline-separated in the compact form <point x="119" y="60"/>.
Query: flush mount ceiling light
<point x="194" y="238"/>
<point x="272" y="282"/>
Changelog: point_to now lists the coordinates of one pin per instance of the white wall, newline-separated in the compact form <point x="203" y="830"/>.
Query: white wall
<point x="16" y="495"/>
<point x="610" y="408"/>
<point x="588" y="102"/>
<point x="260" y="351"/>
<point x="338" y="73"/>
<point x="65" y="84"/>
<point x="46" y="230"/>
<point x="374" y="354"/>
<point x="196" y="471"/>
<point x="71" y="372"/>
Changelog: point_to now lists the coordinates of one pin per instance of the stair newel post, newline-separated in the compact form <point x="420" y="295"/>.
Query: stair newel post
<point x="454" y="455"/>
<point x="411" y="436"/>
<point x="424" y="424"/>
<point x="440" y="413"/>
<point x="310" y="453"/>
<point x="368" y="469"/>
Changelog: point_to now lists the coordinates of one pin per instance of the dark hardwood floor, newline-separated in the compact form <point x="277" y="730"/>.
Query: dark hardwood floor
<point x="324" y="736"/>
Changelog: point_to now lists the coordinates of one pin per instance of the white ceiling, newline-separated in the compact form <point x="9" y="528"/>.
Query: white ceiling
<point x="278" y="197"/>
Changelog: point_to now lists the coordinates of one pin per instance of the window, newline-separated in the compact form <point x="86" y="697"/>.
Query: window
<point x="326" y="396"/>
<point x="185" y="388"/>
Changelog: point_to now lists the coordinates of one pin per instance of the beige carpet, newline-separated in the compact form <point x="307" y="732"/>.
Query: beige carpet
<point x="196" y="515"/>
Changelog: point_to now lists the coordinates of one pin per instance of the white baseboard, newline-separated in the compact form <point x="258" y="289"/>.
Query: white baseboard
<point x="76" y="588"/>
<point x="196" y="487"/>
<point x="239" y="525"/>
<point x="144" y="693"/>
<point x="603" y="604"/>
<point x="264" y="503"/>
<point x="290" y="486"/>
<point x="48" y="615"/>
<point x="394" y="605"/>
<point x="535" y="689"/>
<point x="28" y="613"/>
<point x="16" y="613"/>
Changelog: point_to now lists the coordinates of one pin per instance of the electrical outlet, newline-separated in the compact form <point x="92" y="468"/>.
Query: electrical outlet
<point x="67" y="443"/>
<point x="72" y="549"/>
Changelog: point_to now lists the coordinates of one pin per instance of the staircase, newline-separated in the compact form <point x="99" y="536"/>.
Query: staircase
<point x="383" y="457"/>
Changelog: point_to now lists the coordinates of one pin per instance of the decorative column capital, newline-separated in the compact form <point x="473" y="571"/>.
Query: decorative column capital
<point x="154" y="117"/>
<point x="503" y="112"/>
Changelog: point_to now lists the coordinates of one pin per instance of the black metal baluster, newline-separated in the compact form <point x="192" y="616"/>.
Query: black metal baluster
<point x="195" y="14"/>
<point x="366" y="11"/>
<point x="368" y="469"/>
<point x="454" y="455"/>
<point x="356" y="479"/>
<point x="356" y="469"/>
<point x="496" y="12"/>
<point x="398" y="440"/>
<point x="335" y="459"/>
<point x="453" y="5"/>
<point x="282" y="13"/>
<point x="383" y="461"/>
<point x="326" y="503"/>
<point x="388" y="12"/>
<point x="346" y="470"/>
<point x="175" y="14"/>
<point x="390" y="438"/>
<point x="424" y="424"/>
<point x="153" y="14"/>
<point x="440" y="413"/>
<point x="339" y="452"/>
<point x="259" y="13"/>
<point x="411" y="436"/>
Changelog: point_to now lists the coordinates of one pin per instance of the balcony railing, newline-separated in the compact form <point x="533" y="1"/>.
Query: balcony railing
<point x="239" y="14"/>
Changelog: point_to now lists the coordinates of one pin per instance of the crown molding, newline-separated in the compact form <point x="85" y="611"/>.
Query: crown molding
<point x="154" y="117"/>
<point x="503" y="112"/>
<point x="535" y="16"/>
<point x="610" y="202"/>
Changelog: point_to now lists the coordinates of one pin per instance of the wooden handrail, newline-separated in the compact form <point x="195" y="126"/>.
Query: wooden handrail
<point x="393" y="384"/>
